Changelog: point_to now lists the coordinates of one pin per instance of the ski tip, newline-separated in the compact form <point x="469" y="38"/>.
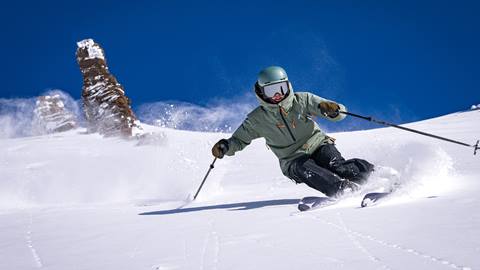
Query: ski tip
<point x="310" y="203"/>
<point x="303" y="207"/>
<point x="372" y="198"/>
<point x="366" y="202"/>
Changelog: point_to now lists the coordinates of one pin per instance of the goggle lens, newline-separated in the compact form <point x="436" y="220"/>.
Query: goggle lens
<point x="271" y="89"/>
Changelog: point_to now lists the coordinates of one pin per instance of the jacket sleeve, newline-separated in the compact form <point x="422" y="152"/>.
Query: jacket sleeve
<point x="312" y="102"/>
<point x="242" y="137"/>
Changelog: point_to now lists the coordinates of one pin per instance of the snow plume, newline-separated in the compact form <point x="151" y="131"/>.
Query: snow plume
<point x="16" y="117"/>
<point x="218" y="116"/>
<point x="423" y="169"/>
<point x="16" y="114"/>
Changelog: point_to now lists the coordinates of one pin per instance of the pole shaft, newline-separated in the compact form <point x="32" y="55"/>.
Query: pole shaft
<point x="407" y="129"/>
<point x="205" y="178"/>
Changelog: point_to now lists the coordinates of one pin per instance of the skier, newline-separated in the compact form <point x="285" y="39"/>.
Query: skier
<point x="306" y="154"/>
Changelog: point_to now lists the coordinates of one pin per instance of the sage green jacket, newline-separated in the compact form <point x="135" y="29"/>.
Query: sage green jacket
<point x="288" y="127"/>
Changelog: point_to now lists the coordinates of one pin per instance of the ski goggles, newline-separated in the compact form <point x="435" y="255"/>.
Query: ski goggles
<point x="271" y="89"/>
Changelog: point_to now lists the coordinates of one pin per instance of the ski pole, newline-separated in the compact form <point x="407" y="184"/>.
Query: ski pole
<point x="205" y="178"/>
<point x="371" y="119"/>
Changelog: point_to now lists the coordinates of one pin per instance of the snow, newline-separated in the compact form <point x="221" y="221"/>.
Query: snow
<point x="94" y="51"/>
<point x="80" y="201"/>
<point x="219" y="116"/>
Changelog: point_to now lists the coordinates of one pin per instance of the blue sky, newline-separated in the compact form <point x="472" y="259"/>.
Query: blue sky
<point x="397" y="60"/>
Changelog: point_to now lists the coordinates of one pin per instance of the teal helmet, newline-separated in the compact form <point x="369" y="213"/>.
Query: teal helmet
<point x="271" y="81"/>
<point x="271" y="75"/>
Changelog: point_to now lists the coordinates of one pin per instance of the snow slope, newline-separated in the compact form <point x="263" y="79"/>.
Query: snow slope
<point x="80" y="201"/>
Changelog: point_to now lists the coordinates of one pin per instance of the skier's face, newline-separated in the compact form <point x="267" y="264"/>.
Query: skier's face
<point x="277" y="98"/>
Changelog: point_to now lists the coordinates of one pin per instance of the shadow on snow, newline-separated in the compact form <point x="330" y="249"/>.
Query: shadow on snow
<point x="230" y="207"/>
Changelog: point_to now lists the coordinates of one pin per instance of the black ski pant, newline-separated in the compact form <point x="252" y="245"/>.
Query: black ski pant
<point x="326" y="169"/>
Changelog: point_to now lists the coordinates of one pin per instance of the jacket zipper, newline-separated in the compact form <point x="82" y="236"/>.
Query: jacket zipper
<point x="286" y="124"/>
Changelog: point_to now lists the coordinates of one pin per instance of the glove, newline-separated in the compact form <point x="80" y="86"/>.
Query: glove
<point x="220" y="148"/>
<point x="329" y="108"/>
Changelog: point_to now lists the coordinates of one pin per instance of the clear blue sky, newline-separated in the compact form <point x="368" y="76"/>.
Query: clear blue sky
<point x="400" y="60"/>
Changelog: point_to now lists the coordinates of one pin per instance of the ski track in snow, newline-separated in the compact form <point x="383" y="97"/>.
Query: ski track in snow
<point x="29" y="242"/>
<point x="407" y="250"/>
<point x="28" y="233"/>
<point x="212" y="235"/>
<point x="358" y="245"/>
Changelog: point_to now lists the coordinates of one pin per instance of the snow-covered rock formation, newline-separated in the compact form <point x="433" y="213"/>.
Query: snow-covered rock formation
<point x="107" y="109"/>
<point x="50" y="115"/>
<point x="475" y="107"/>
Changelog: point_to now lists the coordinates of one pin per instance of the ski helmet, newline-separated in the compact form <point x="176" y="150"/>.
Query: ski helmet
<point x="272" y="80"/>
<point x="271" y="75"/>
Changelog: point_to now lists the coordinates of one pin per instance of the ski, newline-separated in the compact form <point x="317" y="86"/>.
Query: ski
<point x="391" y="185"/>
<point x="312" y="202"/>
<point x="372" y="198"/>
